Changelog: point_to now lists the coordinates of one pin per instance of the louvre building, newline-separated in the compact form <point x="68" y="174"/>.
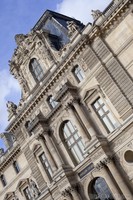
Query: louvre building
<point x="71" y="135"/>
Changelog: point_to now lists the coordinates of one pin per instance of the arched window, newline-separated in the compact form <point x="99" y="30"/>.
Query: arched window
<point x="73" y="141"/>
<point x="36" y="69"/>
<point x="78" y="73"/>
<point x="51" y="101"/>
<point x="100" y="190"/>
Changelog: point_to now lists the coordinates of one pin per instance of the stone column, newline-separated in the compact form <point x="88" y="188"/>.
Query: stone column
<point x="79" y="127"/>
<point x="119" y="180"/>
<point x="46" y="150"/>
<point x="53" y="150"/>
<point x="110" y="182"/>
<point x="84" y="120"/>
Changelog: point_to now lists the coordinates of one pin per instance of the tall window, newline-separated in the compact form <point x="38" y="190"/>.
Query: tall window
<point x="46" y="165"/>
<point x="27" y="193"/>
<point x="3" y="180"/>
<point x="105" y="115"/>
<point x="36" y="69"/>
<point x="51" y="101"/>
<point x="78" y="73"/>
<point x="100" y="190"/>
<point x="16" y="167"/>
<point x="73" y="141"/>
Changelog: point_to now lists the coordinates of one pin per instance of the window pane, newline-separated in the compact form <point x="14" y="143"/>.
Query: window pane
<point x="100" y="101"/>
<point x="80" y="143"/>
<point x="71" y="140"/>
<point x="101" y="112"/>
<point x="105" y="108"/>
<point x="76" y="136"/>
<point x="46" y="165"/>
<point x="78" y="152"/>
<point x="16" y="167"/>
<point x="79" y="74"/>
<point x="96" y="105"/>
<point x="36" y="69"/>
<point x="71" y="127"/>
<point x="105" y="115"/>
<point x="112" y="119"/>
<point x="74" y="142"/>
<point x="109" y="126"/>
<point x="66" y="131"/>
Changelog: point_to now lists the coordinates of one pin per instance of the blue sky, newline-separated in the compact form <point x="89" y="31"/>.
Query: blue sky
<point x="19" y="16"/>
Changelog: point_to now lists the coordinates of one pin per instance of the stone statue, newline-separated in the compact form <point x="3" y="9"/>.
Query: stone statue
<point x="34" y="189"/>
<point x="11" y="108"/>
<point x="95" y="14"/>
<point x="72" y="27"/>
<point x="15" y="196"/>
<point x="19" y="38"/>
<point x="1" y="151"/>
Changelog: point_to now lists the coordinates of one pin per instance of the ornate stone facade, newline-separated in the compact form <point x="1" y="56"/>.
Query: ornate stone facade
<point x="70" y="137"/>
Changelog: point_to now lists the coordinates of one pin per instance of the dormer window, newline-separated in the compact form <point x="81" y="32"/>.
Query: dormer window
<point x="36" y="69"/>
<point x="78" y="73"/>
<point x="51" y="101"/>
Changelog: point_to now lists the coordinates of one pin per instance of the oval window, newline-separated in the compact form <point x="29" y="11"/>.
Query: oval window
<point x="129" y="156"/>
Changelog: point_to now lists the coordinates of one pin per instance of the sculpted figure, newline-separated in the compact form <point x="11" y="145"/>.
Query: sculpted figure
<point x="1" y="151"/>
<point x="72" y="27"/>
<point x="95" y="14"/>
<point x="15" y="196"/>
<point x="11" y="107"/>
<point x="34" y="189"/>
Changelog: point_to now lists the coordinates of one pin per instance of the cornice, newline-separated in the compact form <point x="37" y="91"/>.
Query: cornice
<point x="111" y="18"/>
<point x="9" y="157"/>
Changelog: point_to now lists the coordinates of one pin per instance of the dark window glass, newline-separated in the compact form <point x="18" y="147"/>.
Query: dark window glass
<point x="55" y="42"/>
<point x="3" y="180"/>
<point x="16" y="167"/>
<point x="78" y="73"/>
<point x="100" y="190"/>
<point x="36" y="69"/>
<point x="27" y="193"/>
<point x="73" y="141"/>
<point x="46" y="165"/>
<point x="105" y="115"/>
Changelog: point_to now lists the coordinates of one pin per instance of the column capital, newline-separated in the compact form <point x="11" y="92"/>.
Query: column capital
<point x="39" y="137"/>
<point x="107" y="160"/>
<point x="99" y="166"/>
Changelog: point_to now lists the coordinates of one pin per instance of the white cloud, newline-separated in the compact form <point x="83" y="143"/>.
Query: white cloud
<point x="81" y="9"/>
<point x="9" y="89"/>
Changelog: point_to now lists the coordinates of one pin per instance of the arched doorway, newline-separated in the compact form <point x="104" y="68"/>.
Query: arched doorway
<point x="99" y="190"/>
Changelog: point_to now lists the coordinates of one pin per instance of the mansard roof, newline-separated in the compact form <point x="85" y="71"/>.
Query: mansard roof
<point x="62" y="19"/>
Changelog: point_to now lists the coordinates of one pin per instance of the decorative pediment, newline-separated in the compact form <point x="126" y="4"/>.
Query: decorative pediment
<point x="35" y="147"/>
<point x="10" y="195"/>
<point x="22" y="182"/>
<point x="90" y="91"/>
